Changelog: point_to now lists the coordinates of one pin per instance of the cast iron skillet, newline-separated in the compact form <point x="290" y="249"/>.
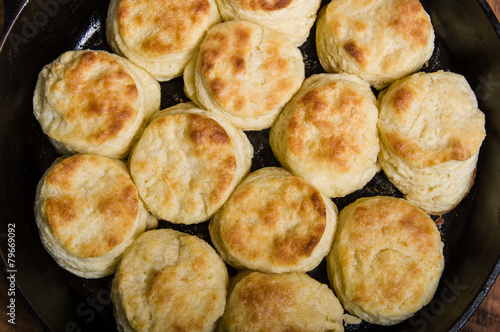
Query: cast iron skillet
<point x="38" y="31"/>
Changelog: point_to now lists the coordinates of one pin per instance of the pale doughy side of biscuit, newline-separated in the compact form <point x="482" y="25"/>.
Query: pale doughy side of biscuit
<point x="277" y="302"/>
<point x="436" y="189"/>
<point x="380" y="41"/>
<point x="88" y="212"/>
<point x="431" y="131"/>
<point x="328" y="135"/>
<point x="169" y="281"/>
<point x="122" y="323"/>
<point x="164" y="42"/>
<point x="188" y="77"/>
<point x="94" y="102"/>
<point x="292" y="18"/>
<point x="274" y="222"/>
<point x="245" y="73"/>
<point x="187" y="163"/>
<point x="386" y="260"/>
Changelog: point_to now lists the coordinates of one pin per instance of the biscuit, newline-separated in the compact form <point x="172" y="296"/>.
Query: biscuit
<point x="292" y="18"/>
<point x="159" y="36"/>
<point x="187" y="163"/>
<point x="386" y="259"/>
<point x="94" y="102"/>
<point x="380" y="41"/>
<point x="327" y="134"/>
<point x="88" y="212"/>
<point x="244" y="72"/>
<point x="169" y="281"/>
<point x="286" y="302"/>
<point x="274" y="222"/>
<point x="431" y="131"/>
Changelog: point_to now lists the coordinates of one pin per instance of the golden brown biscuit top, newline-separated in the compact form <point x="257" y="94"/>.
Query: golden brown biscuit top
<point x="281" y="302"/>
<point x="408" y="20"/>
<point x="93" y="96"/>
<point x="264" y="297"/>
<point x="389" y="251"/>
<point x="375" y="33"/>
<point x="90" y="204"/>
<point x="249" y="71"/>
<point x="172" y="281"/>
<point x="330" y="124"/>
<point x="177" y="288"/>
<point x="183" y="162"/>
<point x="428" y="119"/>
<point x="287" y="213"/>
<point x="264" y="5"/>
<point x="156" y="27"/>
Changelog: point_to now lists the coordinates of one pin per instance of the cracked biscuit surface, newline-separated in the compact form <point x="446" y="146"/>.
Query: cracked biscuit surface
<point x="94" y="102"/>
<point x="292" y="18"/>
<point x="380" y="41"/>
<point x="169" y="281"/>
<point x="274" y="222"/>
<point x="245" y="73"/>
<point x="88" y="212"/>
<point x="431" y="131"/>
<point x="328" y="135"/>
<point x="159" y="36"/>
<point x="386" y="259"/>
<point x="280" y="302"/>
<point x="187" y="163"/>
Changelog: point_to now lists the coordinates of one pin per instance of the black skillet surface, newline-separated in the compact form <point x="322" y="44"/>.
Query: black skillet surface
<point x="467" y="42"/>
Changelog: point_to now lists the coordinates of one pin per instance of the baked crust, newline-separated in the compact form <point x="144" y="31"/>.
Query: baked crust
<point x="187" y="163"/>
<point x="94" y="102"/>
<point x="88" y="211"/>
<point x="425" y="126"/>
<point x="169" y="281"/>
<point x="431" y="131"/>
<point x="280" y="302"/>
<point x="159" y="36"/>
<point x="244" y="73"/>
<point x="292" y="18"/>
<point x="380" y="41"/>
<point x="274" y="222"/>
<point x="386" y="260"/>
<point x="328" y="135"/>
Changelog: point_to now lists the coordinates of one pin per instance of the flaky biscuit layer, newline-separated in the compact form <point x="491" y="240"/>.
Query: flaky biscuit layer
<point x="328" y="135"/>
<point x="274" y="222"/>
<point x="380" y="41"/>
<point x="386" y="260"/>
<point x="88" y="212"/>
